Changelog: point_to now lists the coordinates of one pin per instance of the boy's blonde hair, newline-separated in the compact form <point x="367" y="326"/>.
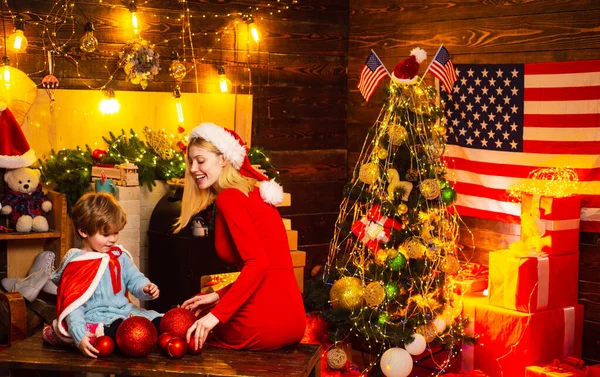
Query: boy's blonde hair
<point x="98" y="213"/>
<point x="195" y="200"/>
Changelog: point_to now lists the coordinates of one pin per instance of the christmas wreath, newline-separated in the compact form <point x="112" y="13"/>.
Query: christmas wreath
<point x="140" y="62"/>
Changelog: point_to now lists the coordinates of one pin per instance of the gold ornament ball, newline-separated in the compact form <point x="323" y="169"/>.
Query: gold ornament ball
<point x="177" y="70"/>
<point x="402" y="208"/>
<point x="380" y="257"/>
<point x="451" y="265"/>
<point x="336" y="358"/>
<point x="430" y="188"/>
<point x="429" y="331"/>
<point x="374" y="294"/>
<point x="414" y="248"/>
<point x="369" y="173"/>
<point x="397" y="134"/>
<point x="382" y="153"/>
<point x="347" y="293"/>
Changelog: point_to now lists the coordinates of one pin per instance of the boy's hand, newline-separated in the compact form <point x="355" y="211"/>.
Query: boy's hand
<point x="85" y="346"/>
<point x="152" y="290"/>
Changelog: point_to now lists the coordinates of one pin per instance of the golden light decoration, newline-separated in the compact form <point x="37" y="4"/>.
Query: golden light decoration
<point x="347" y="293"/>
<point x="414" y="248"/>
<point x="556" y="182"/>
<point x="374" y="294"/>
<point x="435" y="149"/>
<point x="109" y="104"/>
<point x="88" y="43"/>
<point x="159" y="142"/>
<point x="17" y="42"/>
<point x="224" y="82"/>
<point x="382" y="153"/>
<point x="402" y="208"/>
<point x="369" y="173"/>
<point x="336" y="358"/>
<point x="381" y="257"/>
<point x="428" y="331"/>
<point x="177" y="70"/>
<point x="430" y="188"/>
<point x="397" y="134"/>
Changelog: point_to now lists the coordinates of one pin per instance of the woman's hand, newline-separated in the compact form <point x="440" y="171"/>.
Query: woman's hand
<point x="152" y="290"/>
<point x="85" y="346"/>
<point x="200" y="329"/>
<point x="197" y="303"/>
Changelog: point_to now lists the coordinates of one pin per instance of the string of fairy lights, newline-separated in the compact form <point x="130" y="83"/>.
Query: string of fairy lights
<point x="59" y="28"/>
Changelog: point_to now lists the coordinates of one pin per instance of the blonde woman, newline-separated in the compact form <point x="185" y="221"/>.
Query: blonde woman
<point x="262" y="309"/>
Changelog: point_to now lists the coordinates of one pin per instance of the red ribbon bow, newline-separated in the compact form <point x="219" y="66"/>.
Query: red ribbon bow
<point x="114" y="266"/>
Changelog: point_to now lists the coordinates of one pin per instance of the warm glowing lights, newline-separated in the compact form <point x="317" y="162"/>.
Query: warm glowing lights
<point x="178" y="105"/>
<point x="109" y="105"/>
<point x="224" y="82"/>
<point x="88" y="43"/>
<point x="135" y="22"/>
<point x="17" y="42"/>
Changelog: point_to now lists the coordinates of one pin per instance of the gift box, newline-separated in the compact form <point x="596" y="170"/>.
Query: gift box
<point x="560" y="217"/>
<point x="570" y="367"/>
<point x="510" y="340"/>
<point x="533" y="283"/>
<point x="535" y="371"/>
<point x="472" y="279"/>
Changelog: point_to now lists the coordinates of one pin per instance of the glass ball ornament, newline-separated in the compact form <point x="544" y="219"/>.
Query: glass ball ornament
<point x="374" y="294"/>
<point x="177" y="70"/>
<point x="402" y="208"/>
<point x="369" y="173"/>
<point x="397" y="134"/>
<point x="417" y="346"/>
<point x="397" y="263"/>
<point x="396" y="362"/>
<point x="391" y="290"/>
<point x="347" y="293"/>
<point x="435" y="149"/>
<point x="448" y="196"/>
<point x="88" y="43"/>
<point x="382" y="153"/>
<point x="430" y="188"/>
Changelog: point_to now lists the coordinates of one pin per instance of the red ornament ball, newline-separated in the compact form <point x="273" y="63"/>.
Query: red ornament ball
<point x="191" y="347"/>
<point x="97" y="154"/>
<point x="105" y="345"/>
<point x="163" y="339"/>
<point x="136" y="336"/>
<point x="177" y="321"/>
<point x="176" y="348"/>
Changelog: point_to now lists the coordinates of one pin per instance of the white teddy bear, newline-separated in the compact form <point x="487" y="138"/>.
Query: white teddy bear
<point x="25" y="201"/>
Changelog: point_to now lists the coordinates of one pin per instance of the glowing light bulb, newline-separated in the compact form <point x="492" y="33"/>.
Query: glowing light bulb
<point x="17" y="42"/>
<point x="254" y="31"/>
<point x="109" y="105"/>
<point x="88" y="43"/>
<point x="224" y="82"/>
<point x="135" y="22"/>
<point x="178" y="104"/>
<point x="6" y="71"/>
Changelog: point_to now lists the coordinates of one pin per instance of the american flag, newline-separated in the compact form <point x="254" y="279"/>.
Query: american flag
<point x="371" y="75"/>
<point x="503" y="121"/>
<point x="442" y="68"/>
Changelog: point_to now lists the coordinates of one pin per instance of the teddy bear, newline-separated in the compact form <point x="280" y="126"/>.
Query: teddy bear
<point x="25" y="201"/>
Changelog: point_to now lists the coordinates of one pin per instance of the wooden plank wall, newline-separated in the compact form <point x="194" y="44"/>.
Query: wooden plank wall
<point x="298" y="77"/>
<point x="487" y="31"/>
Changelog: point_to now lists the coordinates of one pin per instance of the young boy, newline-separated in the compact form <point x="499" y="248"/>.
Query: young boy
<point x="93" y="281"/>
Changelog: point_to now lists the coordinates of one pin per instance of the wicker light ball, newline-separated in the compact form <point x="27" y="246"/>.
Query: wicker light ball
<point x="430" y="188"/>
<point x="336" y="358"/>
<point x="415" y="248"/>
<point x="369" y="173"/>
<point x="451" y="265"/>
<point x="397" y="134"/>
<point x="374" y="294"/>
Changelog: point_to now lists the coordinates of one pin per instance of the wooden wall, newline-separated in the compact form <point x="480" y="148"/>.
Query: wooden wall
<point x="488" y="31"/>
<point x="298" y="76"/>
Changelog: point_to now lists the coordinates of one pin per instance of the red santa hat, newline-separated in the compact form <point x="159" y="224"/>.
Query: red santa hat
<point x="407" y="71"/>
<point x="231" y="145"/>
<point x="14" y="149"/>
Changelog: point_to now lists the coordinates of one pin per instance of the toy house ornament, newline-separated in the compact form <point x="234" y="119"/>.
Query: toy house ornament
<point x="125" y="174"/>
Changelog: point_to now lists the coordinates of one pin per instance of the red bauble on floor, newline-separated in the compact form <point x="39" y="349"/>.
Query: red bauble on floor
<point x="176" y="348"/>
<point x="192" y="349"/>
<point x="136" y="336"/>
<point x="177" y="321"/>
<point x="105" y="345"/>
<point x="163" y="339"/>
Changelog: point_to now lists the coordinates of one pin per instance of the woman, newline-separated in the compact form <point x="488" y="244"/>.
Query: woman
<point x="262" y="309"/>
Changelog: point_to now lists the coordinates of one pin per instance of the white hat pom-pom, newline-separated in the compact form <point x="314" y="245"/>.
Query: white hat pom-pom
<point x="419" y="53"/>
<point x="271" y="192"/>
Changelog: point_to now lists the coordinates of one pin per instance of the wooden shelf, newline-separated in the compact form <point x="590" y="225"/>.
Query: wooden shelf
<point x="28" y="236"/>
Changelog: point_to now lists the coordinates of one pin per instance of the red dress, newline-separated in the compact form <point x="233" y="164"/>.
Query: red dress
<point x="263" y="308"/>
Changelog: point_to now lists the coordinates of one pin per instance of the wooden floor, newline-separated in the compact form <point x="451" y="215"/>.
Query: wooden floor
<point x="301" y="361"/>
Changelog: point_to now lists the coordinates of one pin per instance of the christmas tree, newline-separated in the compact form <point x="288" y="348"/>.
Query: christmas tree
<point x="394" y="246"/>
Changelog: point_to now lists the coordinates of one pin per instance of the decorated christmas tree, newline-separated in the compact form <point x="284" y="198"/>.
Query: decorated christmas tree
<point x="394" y="246"/>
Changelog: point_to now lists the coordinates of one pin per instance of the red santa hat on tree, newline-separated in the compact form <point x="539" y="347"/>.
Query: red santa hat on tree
<point x="231" y="145"/>
<point x="14" y="149"/>
<point x="407" y="71"/>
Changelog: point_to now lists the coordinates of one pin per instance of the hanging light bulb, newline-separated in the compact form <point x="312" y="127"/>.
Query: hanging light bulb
<point x="6" y="71"/>
<point x="177" y="69"/>
<point x="17" y="42"/>
<point x="224" y="82"/>
<point x="109" y="104"/>
<point x="135" y="22"/>
<point x="88" y="43"/>
<point x="253" y="29"/>
<point x="178" y="104"/>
